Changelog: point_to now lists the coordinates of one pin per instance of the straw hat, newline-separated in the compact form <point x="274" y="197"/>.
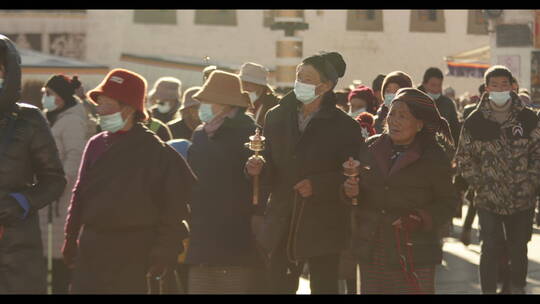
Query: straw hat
<point x="223" y="88"/>
<point x="188" y="101"/>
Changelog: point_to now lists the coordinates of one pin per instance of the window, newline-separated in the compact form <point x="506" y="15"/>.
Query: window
<point x="427" y="21"/>
<point x="268" y="17"/>
<point x="215" y="17"/>
<point x="476" y="24"/>
<point x="154" y="16"/>
<point x="364" y="20"/>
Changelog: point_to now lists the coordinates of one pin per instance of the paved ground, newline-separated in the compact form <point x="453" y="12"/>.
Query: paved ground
<point x="459" y="272"/>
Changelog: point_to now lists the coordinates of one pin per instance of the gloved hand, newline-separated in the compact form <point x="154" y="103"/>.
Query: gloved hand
<point x="70" y="250"/>
<point x="10" y="211"/>
<point x="411" y="222"/>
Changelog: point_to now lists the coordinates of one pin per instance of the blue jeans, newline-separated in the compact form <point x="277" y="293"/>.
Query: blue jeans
<point x="495" y="230"/>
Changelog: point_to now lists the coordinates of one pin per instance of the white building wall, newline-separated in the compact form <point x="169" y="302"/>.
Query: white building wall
<point x="524" y="53"/>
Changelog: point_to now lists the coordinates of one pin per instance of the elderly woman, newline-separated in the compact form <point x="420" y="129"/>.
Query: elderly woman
<point x="404" y="194"/>
<point x="391" y="83"/>
<point x="222" y="256"/>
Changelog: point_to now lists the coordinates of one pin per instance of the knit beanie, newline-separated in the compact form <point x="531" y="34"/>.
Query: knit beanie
<point x="64" y="86"/>
<point x="330" y="65"/>
<point x="398" y="77"/>
<point x="423" y="108"/>
<point x="366" y="94"/>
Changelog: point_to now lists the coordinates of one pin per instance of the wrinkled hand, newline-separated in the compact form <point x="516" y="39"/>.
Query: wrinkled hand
<point x="10" y="211"/>
<point x="351" y="187"/>
<point x="254" y="165"/>
<point x="69" y="251"/>
<point x="304" y="188"/>
<point x="411" y="222"/>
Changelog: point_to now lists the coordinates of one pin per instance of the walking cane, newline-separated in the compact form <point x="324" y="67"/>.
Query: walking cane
<point x="256" y="144"/>
<point x="49" y="249"/>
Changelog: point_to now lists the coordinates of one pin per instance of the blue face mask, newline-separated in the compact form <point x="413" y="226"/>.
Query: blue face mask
<point x="388" y="97"/>
<point x="205" y="112"/>
<point x="499" y="98"/>
<point x="305" y="92"/>
<point x="49" y="103"/>
<point x="112" y="123"/>
<point x="434" y="96"/>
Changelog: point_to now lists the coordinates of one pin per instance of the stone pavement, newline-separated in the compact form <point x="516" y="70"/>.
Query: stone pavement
<point x="458" y="273"/>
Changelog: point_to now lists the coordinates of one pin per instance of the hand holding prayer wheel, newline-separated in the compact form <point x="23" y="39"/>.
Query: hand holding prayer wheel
<point x="255" y="163"/>
<point x="351" y="169"/>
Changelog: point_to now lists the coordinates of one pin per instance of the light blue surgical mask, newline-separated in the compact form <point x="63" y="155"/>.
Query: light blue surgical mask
<point x="356" y="113"/>
<point x="388" y="97"/>
<point x="434" y="96"/>
<point x="305" y="92"/>
<point x="205" y="112"/>
<point x="164" y="108"/>
<point x="48" y="102"/>
<point x="112" y="123"/>
<point x="499" y="98"/>
<point x="1" y="83"/>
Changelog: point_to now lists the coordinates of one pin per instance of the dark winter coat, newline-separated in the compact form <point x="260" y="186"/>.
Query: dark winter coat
<point x="317" y="225"/>
<point x="221" y="204"/>
<point x="380" y="119"/>
<point x="130" y="204"/>
<point x="179" y="129"/>
<point x="267" y="101"/>
<point x="29" y="165"/>
<point x="421" y="181"/>
<point x="447" y="109"/>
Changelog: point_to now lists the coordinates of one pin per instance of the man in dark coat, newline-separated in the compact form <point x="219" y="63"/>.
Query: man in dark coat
<point x="255" y="81"/>
<point x="31" y="177"/>
<point x="130" y="197"/>
<point x="307" y="141"/>
<point x="432" y="85"/>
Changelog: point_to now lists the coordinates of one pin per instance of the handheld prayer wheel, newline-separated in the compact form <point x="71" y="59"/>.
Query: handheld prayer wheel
<point x="351" y="168"/>
<point x="256" y="144"/>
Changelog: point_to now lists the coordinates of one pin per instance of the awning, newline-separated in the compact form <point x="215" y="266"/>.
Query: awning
<point x="472" y="63"/>
<point x="33" y="62"/>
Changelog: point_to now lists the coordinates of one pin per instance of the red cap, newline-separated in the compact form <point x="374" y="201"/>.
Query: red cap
<point x="125" y="86"/>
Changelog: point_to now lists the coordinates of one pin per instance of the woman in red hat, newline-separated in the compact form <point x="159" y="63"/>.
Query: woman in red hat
<point x="129" y="199"/>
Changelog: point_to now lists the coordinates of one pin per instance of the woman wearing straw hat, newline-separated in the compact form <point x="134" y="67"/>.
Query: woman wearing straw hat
<point x="222" y="254"/>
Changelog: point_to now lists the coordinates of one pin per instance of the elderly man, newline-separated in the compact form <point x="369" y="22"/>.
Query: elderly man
<point x="165" y="98"/>
<point x="31" y="177"/>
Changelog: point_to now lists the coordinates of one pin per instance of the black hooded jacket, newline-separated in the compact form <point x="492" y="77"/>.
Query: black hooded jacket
<point x="30" y="166"/>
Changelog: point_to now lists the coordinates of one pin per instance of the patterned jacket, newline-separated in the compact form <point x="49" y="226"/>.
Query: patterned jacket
<point x="501" y="162"/>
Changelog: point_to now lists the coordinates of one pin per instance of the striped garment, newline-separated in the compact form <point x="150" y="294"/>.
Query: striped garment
<point x="221" y="280"/>
<point x="378" y="278"/>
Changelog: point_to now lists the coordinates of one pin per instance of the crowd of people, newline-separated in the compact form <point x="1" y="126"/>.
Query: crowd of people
<point x="138" y="190"/>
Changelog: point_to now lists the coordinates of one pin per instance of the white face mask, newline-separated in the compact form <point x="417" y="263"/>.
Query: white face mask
<point x="205" y="112"/>
<point x="499" y="98"/>
<point x="434" y="96"/>
<point x="253" y="96"/>
<point x="356" y="113"/>
<point x="305" y="92"/>
<point x="388" y="97"/>
<point x="1" y="83"/>
<point x="112" y="123"/>
<point x="49" y="103"/>
<point x="164" y="108"/>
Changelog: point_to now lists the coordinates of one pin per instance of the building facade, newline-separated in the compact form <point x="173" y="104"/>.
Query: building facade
<point x="175" y="42"/>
